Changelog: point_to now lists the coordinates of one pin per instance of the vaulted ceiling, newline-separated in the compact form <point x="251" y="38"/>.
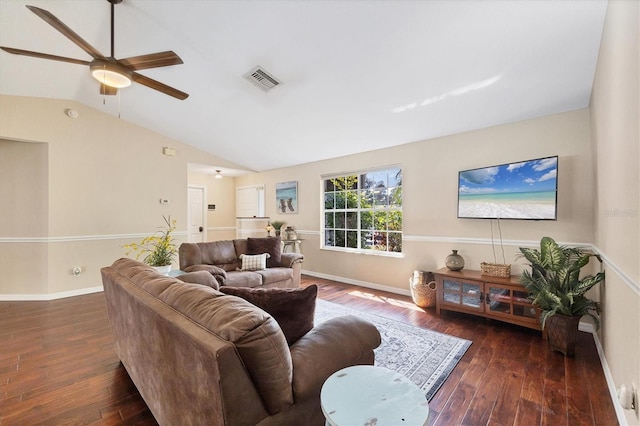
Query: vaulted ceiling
<point x="356" y="75"/>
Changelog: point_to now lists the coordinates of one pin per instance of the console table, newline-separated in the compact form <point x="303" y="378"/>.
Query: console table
<point x="503" y="299"/>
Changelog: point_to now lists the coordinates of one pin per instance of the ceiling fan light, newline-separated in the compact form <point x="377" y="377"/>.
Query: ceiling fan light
<point x="218" y="175"/>
<point x="110" y="75"/>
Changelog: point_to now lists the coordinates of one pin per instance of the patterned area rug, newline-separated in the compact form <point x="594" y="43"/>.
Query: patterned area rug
<point x="426" y="357"/>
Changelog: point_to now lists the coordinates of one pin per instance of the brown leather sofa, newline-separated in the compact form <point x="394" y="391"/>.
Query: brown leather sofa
<point x="222" y="259"/>
<point x="198" y="356"/>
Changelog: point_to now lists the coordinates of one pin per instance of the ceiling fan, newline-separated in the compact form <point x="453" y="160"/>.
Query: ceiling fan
<point x="112" y="73"/>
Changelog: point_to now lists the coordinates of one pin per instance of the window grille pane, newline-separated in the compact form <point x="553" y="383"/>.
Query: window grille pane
<point x="329" y="238"/>
<point x="394" y="222"/>
<point x="366" y="242"/>
<point x="329" y="201"/>
<point x="395" y="197"/>
<point x="352" y="239"/>
<point x="352" y="199"/>
<point x="366" y="220"/>
<point x="329" y="186"/>
<point x="380" y="220"/>
<point x="395" y="242"/>
<point x="340" y="238"/>
<point x="328" y="220"/>
<point x="352" y="220"/>
<point x="340" y="220"/>
<point x="341" y="200"/>
<point x="366" y="199"/>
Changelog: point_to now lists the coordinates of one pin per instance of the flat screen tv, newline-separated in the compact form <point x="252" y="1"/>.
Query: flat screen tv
<point x="520" y="190"/>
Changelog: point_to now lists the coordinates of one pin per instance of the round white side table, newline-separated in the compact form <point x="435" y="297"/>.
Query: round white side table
<point x="369" y="395"/>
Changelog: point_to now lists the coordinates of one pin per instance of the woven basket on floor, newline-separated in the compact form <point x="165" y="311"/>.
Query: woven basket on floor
<point x="495" y="270"/>
<point x="423" y="289"/>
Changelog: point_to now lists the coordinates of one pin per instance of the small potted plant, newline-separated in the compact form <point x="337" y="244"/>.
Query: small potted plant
<point x="157" y="250"/>
<point x="277" y="225"/>
<point x="555" y="286"/>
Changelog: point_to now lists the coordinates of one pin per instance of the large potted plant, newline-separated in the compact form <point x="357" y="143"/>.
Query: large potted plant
<point x="555" y="286"/>
<point x="157" y="250"/>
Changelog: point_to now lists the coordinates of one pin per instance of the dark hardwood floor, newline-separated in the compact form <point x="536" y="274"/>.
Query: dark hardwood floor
<point x="57" y="366"/>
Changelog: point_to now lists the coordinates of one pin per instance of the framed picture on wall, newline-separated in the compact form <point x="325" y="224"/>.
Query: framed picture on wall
<point x="287" y="197"/>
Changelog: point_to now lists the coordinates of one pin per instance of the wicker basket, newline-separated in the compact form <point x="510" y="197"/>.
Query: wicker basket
<point x="423" y="289"/>
<point x="495" y="270"/>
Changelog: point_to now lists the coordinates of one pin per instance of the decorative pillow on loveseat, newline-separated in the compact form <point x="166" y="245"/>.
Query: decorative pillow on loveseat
<point x="292" y="308"/>
<point x="271" y="245"/>
<point x="254" y="262"/>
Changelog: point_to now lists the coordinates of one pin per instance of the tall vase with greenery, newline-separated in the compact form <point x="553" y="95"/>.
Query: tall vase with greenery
<point x="157" y="250"/>
<point x="555" y="286"/>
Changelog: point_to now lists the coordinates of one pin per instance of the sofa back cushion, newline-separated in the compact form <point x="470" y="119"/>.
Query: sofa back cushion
<point x="270" y="245"/>
<point x="256" y="335"/>
<point x="219" y="253"/>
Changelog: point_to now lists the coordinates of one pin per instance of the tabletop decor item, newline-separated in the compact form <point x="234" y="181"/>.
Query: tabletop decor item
<point x="157" y="250"/>
<point x="277" y="225"/>
<point x="454" y="261"/>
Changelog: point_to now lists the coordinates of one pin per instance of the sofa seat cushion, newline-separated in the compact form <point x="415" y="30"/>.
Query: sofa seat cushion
<point x="274" y="275"/>
<point x="243" y="279"/>
<point x="256" y="335"/>
<point x="293" y="308"/>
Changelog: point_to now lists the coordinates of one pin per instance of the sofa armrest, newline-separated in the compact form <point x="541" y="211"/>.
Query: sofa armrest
<point x="331" y="346"/>
<point x="288" y="260"/>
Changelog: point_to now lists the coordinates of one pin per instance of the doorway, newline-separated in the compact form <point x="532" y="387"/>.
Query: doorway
<point x="196" y="214"/>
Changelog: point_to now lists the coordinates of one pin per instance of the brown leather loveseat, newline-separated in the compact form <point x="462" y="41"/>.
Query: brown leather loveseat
<point x="198" y="356"/>
<point x="223" y="260"/>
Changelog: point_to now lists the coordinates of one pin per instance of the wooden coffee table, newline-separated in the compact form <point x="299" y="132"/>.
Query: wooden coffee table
<point x="369" y="395"/>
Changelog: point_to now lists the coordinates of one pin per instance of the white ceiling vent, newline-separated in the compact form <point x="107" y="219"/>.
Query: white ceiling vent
<point x="262" y="79"/>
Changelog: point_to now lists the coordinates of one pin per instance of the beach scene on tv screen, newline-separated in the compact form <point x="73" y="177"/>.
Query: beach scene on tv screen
<point x="523" y="190"/>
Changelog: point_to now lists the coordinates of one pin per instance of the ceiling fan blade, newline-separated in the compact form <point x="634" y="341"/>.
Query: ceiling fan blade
<point x="66" y="31"/>
<point x="161" y="87"/>
<point x="108" y="90"/>
<point x="152" y="60"/>
<point x="43" y="55"/>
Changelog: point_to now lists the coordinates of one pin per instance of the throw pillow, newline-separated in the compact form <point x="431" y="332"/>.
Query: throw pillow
<point x="271" y="245"/>
<point x="256" y="262"/>
<point x="292" y="308"/>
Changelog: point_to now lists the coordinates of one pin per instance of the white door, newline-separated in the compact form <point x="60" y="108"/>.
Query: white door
<point x="196" y="214"/>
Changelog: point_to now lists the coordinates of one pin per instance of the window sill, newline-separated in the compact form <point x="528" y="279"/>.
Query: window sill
<point x="365" y="252"/>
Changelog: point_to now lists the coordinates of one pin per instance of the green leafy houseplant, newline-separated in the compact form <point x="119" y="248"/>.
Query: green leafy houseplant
<point x="554" y="283"/>
<point x="277" y="225"/>
<point x="158" y="249"/>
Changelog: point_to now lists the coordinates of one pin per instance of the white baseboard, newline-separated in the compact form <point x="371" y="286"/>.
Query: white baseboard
<point x="613" y="392"/>
<point x="365" y="284"/>
<point x="51" y="296"/>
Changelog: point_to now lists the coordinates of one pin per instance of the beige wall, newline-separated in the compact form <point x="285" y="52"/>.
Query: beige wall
<point x="104" y="180"/>
<point x="430" y="172"/>
<point x="616" y="141"/>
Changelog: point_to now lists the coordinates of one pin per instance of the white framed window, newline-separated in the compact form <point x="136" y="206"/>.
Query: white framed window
<point x="362" y="211"/>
